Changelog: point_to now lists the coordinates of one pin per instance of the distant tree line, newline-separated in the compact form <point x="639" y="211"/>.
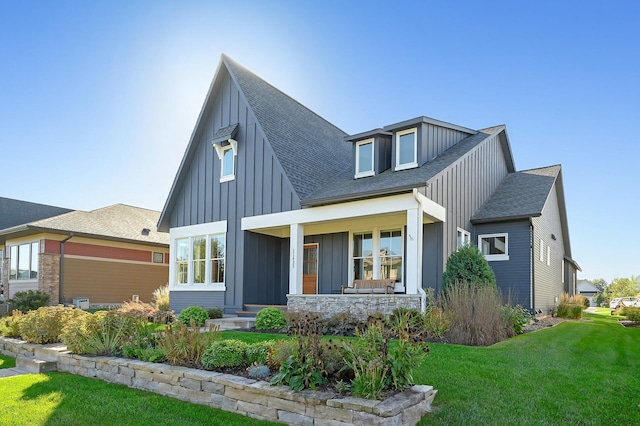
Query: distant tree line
<point x="619" y="287"/>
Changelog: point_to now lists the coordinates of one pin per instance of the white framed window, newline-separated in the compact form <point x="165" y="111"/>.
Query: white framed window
<point x="198" y="257"/>
<point x="548" y="255"/>
<point x="227" y="155"/>
<point x="406" y="149"/>
<point x="23" y="261"/>
<point x="541" y="250"/>
<point x="364" y="158"/>
<point x="378" y="254"/>
<point x="463" y="239"/>
<point x="494" y="246"/>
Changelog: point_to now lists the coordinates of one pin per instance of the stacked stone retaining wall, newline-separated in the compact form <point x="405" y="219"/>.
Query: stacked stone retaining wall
<point x="357" y="305"/>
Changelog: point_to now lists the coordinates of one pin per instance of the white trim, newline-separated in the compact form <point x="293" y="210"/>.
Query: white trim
<point x="370" y="172"/>
<point x="353" y="209"/>
<point x="548" y="255"/>
<point x="495" y="257"/>
<point x="200" y="229"/>
<point x="414" y="163"/>
<point x="466" y="238"/>
<point x="220" y="151"/>
<point x="541" y="250"/>
<point x="296" y="253"/>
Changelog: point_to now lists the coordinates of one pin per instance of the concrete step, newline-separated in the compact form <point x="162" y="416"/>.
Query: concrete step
<point x="232" y="323"/>
<point x="253" y="307"/>
<point x="49" y="352"/>
<point x="35" y="365"/>
<point x="10" y="372"/>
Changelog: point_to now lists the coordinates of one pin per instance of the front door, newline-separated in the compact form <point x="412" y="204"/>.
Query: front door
<point x="310" y="269"/>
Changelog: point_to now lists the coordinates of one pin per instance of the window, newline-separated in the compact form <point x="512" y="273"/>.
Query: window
<point x="494" y="246"/>
<point x="541" y="250"/>
<point x="406" y="149"/>
<point x="363" y="256"/>
<point x="23" y="263"/>
<point x="464" y="238"/>
<point x="548" y="255"/>
<point x="227" y="155"/>
<point x="391" y="255"/>
<point x="157" y="257"/>
<point x="364" y="158"/>
<point x="200" y="260"/>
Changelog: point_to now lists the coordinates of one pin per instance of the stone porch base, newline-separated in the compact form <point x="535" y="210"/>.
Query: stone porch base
<point x="358" y="305"/>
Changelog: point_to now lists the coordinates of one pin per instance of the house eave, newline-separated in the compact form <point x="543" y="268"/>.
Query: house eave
<point x="573" y="262"/>
<point x="356" y="197"/>
<point x="25" y="230"/>
<point x="428" y="120"/>
<point x="504" y="219"/>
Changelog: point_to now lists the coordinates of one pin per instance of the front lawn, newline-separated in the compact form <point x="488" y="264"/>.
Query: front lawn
<point x="7" y="362"/>
<point x="575" y="373"/>
<point x="64" y="399"/>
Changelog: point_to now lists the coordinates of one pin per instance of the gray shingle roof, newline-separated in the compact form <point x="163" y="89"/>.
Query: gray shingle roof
<point x="16" y="212"/>
<point x="225" y="133"/>
<point x="310" y="149"/>
<point x="118" y="222"/>
<point x="520" y="195"/>
<point x="343" y="186"/>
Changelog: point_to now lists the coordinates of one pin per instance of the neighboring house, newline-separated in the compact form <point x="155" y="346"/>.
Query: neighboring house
<point x="273" y="204"/>
<point x="588" y="290"/>
<point x="107" y="255"/>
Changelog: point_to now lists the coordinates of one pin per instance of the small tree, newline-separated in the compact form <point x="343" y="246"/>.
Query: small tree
<point x="25" y="301"/>
<point x="468" y="265"/>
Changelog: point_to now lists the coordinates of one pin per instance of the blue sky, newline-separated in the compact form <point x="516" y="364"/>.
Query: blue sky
<point x="98" y="99"/>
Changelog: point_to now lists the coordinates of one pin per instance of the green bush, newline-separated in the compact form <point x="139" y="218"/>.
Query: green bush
<point x="632" y="314"/>
<point x="25" y="301"/>
<point x="342" y="324"/>
<point x="258" y="352"/>
<point x="515" y="318"/>
<point x="45" y="324"/>
<point x="279" y="353"/>
<point x="196" y="313"/>
<point x="143" y="345"/>
<point x="468" y="265"/>
<point x="270" y="319"/>
<point x="225" y="353"/>
<point x="569" y="310"/>
<point x="185" y="345"/>
<point x="10" y="326"/>
<point x="214" y="313"/>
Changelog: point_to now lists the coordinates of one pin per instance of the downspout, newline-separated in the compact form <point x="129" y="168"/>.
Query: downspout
<point x="533" y="274"/>
<point x="61" y="278"/>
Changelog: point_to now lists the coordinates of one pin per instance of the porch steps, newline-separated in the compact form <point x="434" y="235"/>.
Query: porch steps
<point x="250" y="309"/>
<point x="35" y="365"/>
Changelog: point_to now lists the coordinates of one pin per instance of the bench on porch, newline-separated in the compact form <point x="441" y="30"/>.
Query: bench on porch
<point x="370" y="287"/>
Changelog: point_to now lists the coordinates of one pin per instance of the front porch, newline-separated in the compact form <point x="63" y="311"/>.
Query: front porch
<point x="373" y="239"/>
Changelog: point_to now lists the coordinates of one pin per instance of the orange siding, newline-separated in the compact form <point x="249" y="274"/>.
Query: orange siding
<point x="93" y="250"/>
<point x="111" y="282"/>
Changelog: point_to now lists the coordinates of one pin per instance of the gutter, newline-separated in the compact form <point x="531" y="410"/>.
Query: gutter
<point x="61" y="274"/>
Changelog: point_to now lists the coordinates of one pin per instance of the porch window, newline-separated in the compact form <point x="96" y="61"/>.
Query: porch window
<point x="364" y="158"/>
<point x="23" y="263"/>
<point x="200" y="260"/>
<point x="391" y="255"/>
<point x="407" y="149"/>
<point x="494" y="246"/>
<point x="464" y="238"/>
<point x="363" y="256"/>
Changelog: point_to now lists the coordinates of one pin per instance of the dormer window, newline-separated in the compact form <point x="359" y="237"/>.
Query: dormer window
<point x="364" y="158"/>
<point x="406" y="149"/>
<point x="227" y="154"/>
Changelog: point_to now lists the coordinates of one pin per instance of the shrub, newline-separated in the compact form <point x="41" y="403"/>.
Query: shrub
<point x="475" y="313"/>
<point x="214" y="313"/>
<point x="45" y="324"/>
<point x="225" y="353"/>
<point x="333" y="361"/>
<point x="143" y="345"/>
<point x="569" y="310"/>
<point x="632" y="314"/>
<point x="468" y="265"/>
<point x="101" y="333"/>
<point x="270" y="319"/>
<point x="342" y="324"/>
<point x="258" y="371"/>
<point x="279" y="353"/>
<point x="409" y="320"/>
<point x="25" y="301"/>
<point x="436" y="323"/>
<point x="139" y="311"/>
<point x="185" y="345"/>
<point x="515" y="319"/>
<point x="258" y="352"/>
<point x="196" y="313"/>
<point x="10" y="326"/>
<point x="161" y="298"/>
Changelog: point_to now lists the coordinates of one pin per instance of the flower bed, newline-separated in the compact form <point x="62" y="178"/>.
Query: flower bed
<point x="254" y="398"/>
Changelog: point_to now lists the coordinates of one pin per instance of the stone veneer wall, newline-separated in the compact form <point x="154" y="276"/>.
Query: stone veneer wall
<point x="358" y="305"/>
<point x="49" y="276"/>
<point x="257" y="399"/>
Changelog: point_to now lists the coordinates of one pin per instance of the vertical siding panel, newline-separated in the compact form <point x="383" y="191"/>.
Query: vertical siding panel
<point x="267" y="182"/>
<point x="202" y="179"/>
<point x="257" y="209"/>
<point x="250" y="182"/>
<point x="226" y="101"/>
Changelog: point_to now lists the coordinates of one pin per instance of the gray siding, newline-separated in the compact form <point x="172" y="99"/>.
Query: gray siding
<point x="207" y="299"/>
<point x="434" y="140"/>
<point x="260" y="185"/>
<point x="383" y="154"/>
<point x="432" y="256"/>
<point x="514" y="275"/>
<point x="333" y="260"/>
<point x="548" y="278"/>
<point x="463" y="188"/>
<point x="266" y="270"/>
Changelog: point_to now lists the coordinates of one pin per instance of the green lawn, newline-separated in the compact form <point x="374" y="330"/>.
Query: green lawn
<point x="7" y="362"/>
<point x="578" y="373"/>
<point x="65" y="399"/>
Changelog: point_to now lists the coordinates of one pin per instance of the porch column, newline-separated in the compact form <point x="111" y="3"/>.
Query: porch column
<point x="296" y="252"/>
<point x="413" y="258"/>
